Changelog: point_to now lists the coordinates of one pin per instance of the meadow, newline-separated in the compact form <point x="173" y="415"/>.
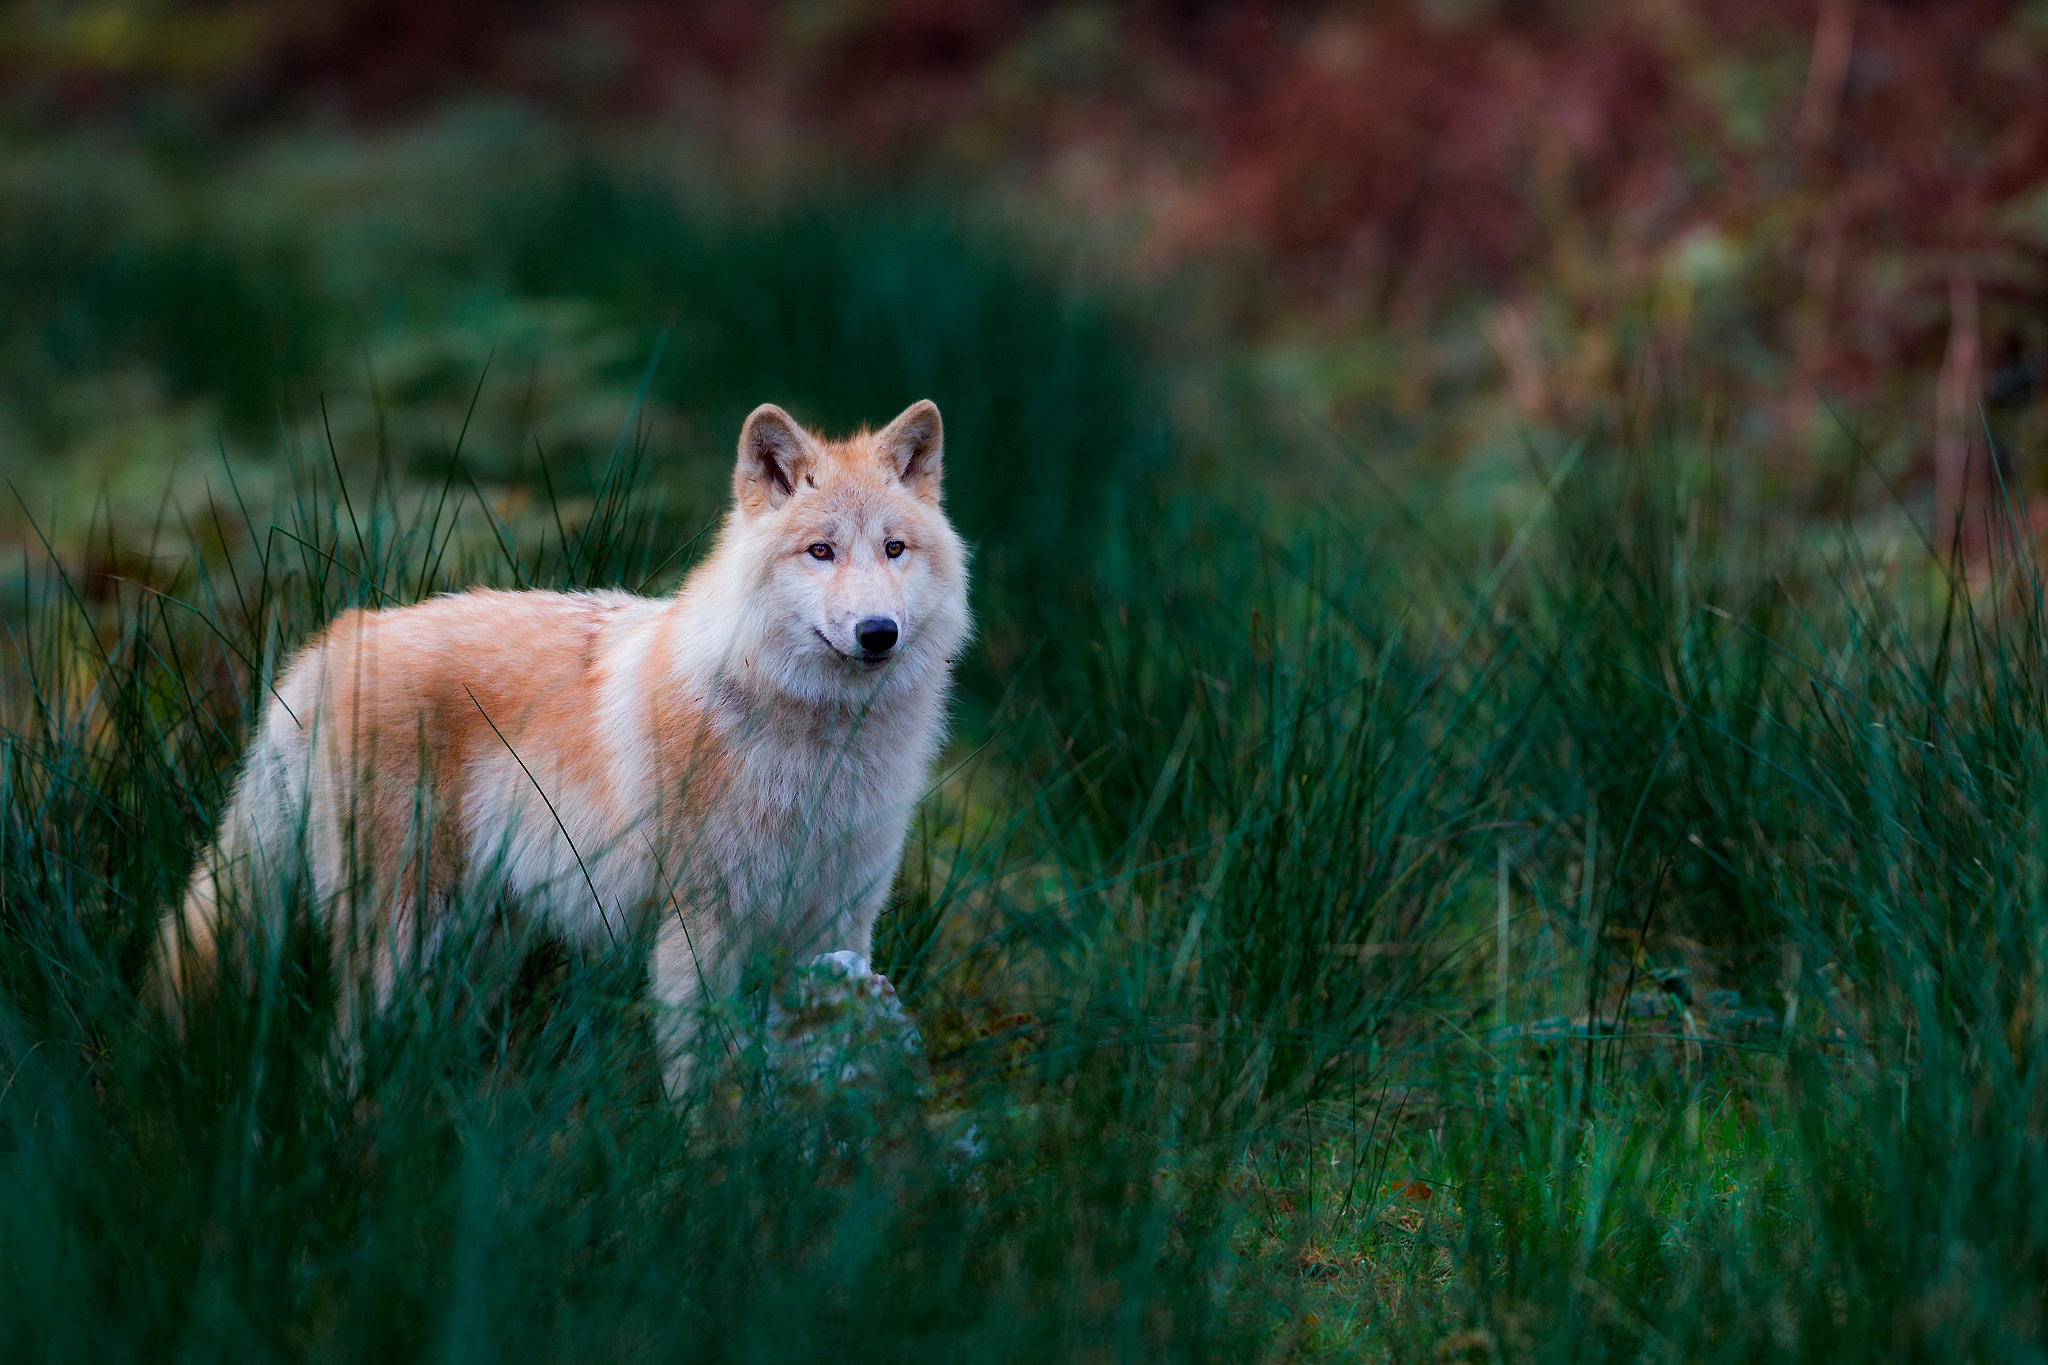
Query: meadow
<point x="1608" y="927"/>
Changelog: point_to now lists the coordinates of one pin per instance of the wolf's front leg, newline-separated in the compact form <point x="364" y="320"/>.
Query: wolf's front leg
<point x="855" y="928"/>
<point x="685" y="973"/>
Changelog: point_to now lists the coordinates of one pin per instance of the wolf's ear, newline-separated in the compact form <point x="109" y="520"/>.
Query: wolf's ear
<point x="775" y="455"/>
<point x="914" y="447"/>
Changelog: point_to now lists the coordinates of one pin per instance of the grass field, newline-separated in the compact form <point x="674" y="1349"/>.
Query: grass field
<point x="1611" y="932"/>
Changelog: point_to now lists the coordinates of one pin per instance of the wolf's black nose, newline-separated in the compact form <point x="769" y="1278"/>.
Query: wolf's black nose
<point x="877" y="635"/>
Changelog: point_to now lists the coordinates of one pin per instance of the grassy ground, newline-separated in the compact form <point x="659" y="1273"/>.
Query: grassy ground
<point x="1353" y="933"/>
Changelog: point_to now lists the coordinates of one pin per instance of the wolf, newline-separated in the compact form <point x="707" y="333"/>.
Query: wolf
<point x="725" y="770"/>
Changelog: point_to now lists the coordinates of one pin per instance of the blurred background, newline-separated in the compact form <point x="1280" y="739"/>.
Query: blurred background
<point x="1428" y="235"/>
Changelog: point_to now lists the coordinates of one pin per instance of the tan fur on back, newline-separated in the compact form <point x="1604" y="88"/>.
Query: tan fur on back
<point x="726" y="766"/>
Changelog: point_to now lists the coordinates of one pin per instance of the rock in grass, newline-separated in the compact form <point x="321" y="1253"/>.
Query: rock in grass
<point x="830" y="1049"/>
<point x="834" y="1023"/>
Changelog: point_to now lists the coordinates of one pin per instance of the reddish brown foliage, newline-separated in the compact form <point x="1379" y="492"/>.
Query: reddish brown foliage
<point x="1379" y="162"/>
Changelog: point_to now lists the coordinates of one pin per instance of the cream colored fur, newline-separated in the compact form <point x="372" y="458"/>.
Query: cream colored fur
<point x="717" y="771"/>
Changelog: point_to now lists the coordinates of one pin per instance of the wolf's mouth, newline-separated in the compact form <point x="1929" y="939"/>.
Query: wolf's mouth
<point x="864" y="660"/>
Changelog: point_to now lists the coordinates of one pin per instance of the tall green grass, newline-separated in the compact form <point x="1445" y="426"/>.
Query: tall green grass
<point x="1319" y="947"/>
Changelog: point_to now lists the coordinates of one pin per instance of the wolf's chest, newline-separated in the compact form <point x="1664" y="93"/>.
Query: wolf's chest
<point x="792" y="787"/>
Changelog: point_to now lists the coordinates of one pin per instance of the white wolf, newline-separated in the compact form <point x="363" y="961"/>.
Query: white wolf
<point x="733" y="764"/>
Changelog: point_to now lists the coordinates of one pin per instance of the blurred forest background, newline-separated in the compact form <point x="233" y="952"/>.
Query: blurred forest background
<point x="1437" y="226"/>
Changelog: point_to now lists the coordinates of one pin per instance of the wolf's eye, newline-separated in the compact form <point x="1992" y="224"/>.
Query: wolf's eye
<point x="893" y="548"/>
<point x="820" y="550"/>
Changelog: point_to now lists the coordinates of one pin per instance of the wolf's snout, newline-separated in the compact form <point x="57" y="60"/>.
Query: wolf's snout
<point x="877" y="635"/>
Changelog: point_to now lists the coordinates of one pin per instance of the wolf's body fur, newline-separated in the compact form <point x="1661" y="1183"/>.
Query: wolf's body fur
<point x="722" y="767"/>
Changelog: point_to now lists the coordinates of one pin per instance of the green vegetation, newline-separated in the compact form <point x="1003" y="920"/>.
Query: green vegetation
<point x="1619" y="933"/>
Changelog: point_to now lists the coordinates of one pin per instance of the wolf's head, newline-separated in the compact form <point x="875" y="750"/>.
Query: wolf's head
<point x="857" y="583"/>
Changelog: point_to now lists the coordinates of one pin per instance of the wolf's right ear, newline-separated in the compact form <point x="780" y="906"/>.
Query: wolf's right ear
<point x="775" y="455"/>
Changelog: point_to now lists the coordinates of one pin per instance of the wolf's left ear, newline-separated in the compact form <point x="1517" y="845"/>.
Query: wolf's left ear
<point x="914" y="446"/>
